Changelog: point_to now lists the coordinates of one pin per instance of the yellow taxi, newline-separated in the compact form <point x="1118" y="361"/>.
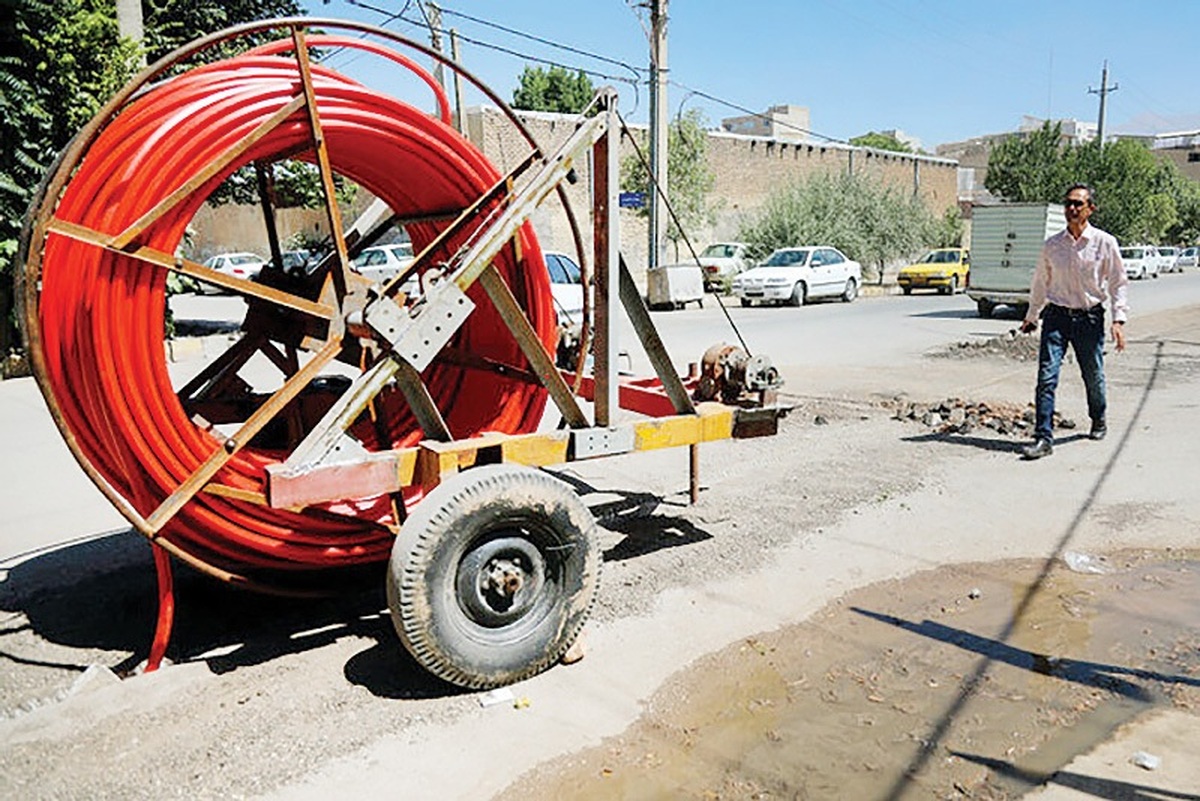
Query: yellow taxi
<point x="944" y="269"/>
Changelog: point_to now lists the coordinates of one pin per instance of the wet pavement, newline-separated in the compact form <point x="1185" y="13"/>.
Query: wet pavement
<point x="977" y="681"/>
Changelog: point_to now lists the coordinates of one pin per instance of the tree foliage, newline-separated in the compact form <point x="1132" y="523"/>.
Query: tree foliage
<point x="689" y="179"/>
<point x="881" y="141"/>
<point x="553" y="89"/>
<point x="1140" y="198"/>
<point x="871" y="223"/>
<point x="61" y="60"/>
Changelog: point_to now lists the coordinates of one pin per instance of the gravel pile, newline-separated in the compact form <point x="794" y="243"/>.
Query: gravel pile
<point x="1011" y="345"/>
<point x="958" y="416"/>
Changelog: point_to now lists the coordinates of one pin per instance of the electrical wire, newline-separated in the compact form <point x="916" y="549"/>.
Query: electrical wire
<point x="424" y="24"/>
<point x="682" y="233"/>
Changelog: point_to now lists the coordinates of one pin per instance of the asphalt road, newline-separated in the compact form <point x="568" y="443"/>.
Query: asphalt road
<point x="48" y="499"/>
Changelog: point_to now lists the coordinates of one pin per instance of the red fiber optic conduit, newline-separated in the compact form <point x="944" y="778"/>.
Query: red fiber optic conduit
<point x="101" y="316"/>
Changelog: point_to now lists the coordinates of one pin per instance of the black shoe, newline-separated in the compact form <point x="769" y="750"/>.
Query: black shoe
<point x="1039" y="448"/>
<point x="1099" y="430"/>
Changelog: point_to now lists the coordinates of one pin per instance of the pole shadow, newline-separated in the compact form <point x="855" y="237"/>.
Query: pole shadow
<point x="1110" y="789"/>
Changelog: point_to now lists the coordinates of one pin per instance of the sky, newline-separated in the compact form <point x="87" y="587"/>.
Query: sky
<point x="940" y="71"/>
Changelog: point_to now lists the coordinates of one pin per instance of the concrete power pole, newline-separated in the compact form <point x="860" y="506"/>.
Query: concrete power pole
<point x="1103" y="92"/>
<point x="433" y="19"/>
<point x="129" y="23"/>
<point x="658" y="128"/>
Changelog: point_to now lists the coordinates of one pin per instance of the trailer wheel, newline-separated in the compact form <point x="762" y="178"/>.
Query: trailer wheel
<point x="985" y="307"/>
<point x="493" y="575"/>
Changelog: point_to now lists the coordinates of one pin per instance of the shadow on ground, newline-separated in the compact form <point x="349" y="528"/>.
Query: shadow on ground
<point x="101" y="595"/>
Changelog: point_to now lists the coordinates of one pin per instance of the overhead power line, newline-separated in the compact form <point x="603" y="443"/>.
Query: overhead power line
<point x="637" y="72"/>
<point x="758" y="114"/>
<point x="544" y="41"/>
<point x="403" y="16"/>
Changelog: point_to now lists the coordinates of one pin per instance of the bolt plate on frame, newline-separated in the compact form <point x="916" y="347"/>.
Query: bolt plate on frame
<point x="589" y="442"/>
<point x="418" y="339"/>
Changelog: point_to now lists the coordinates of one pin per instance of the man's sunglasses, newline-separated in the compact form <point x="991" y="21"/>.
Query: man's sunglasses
<point x="1072" y="203"/>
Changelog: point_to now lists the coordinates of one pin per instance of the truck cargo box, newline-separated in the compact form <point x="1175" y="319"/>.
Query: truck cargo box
<point x="1006" y="242"/>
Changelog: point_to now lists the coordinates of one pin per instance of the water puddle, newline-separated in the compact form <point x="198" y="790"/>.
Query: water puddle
<point x="967" y="681"/>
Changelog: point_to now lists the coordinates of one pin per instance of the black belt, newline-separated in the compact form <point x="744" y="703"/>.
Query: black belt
<point x="1069" y="312"/>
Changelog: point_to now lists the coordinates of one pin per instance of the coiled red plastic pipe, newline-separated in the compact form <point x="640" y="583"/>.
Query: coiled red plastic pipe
<point x="101" y="315"/>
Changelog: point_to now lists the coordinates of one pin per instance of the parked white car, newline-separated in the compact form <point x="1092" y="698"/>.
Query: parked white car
<point x="1188" y="258"/>
<point x="383" y="262"/>
<point x="566" y="284"/>
<point x="246" y="266"/>
<point x="1168" y="259"/>
<point x="1141" y="261"/>
<point x="797" y="275"/>
<point x="721" y="261"/>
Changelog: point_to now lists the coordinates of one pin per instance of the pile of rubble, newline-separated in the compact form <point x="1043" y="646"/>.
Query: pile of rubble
<point x="958" y="416"/>
<point x="1010" y="345"/>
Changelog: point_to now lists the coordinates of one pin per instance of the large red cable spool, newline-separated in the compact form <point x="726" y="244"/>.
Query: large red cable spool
<point x="95" y="318"/>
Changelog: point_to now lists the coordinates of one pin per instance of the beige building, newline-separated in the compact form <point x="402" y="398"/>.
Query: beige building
<point x="784" y="123"/>
<point x="1182" y="148"/>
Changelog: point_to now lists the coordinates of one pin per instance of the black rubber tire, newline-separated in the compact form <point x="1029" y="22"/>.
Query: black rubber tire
<point x="455" y="627"/>
<point x="746" y="302"/>
<point x="799" y="294"/>
<point x="850" y="292"/>
<point x="985" y="308"/>
<point x="907" y="290"/>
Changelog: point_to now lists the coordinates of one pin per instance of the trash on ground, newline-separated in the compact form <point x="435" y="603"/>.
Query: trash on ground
<point x="1083" y="563"/>
<point x="500" y="695"/>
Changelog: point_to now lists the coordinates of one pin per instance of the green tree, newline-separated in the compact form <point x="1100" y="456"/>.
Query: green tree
<point x="60" y="61"/>
<point x="1029" y="168"/>
<point x="1140" y="198"/>
<point x="871" y="223"/>
<point x="881" y="141"/>
<point x="689" y="179"/>
<point x="553" y="89"/>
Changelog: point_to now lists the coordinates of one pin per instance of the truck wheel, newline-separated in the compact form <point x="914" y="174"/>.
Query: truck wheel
<point x="985" y="307"/>
<point x="799" y="295"/>
<point x="493" y="575"/>
<point x="850" y="292"/>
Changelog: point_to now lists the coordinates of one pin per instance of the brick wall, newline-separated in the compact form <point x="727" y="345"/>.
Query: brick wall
<point x="746" y="170"/>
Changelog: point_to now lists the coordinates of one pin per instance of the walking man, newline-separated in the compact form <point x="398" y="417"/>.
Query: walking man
<point x="1078" y="268"/>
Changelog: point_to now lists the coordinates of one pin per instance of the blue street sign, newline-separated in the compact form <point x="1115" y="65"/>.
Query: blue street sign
<point x="632" y="200"/>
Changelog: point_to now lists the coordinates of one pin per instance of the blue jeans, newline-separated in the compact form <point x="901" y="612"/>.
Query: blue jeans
<point x="1084" y="331"/>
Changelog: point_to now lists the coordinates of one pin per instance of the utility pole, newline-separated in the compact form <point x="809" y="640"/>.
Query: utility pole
<point x="433" y="19"/>
<point x="658" y="128"/>
<point x="1103" y="92"/>
<point x="129" y="24"/>
<point x="458" y="88"/>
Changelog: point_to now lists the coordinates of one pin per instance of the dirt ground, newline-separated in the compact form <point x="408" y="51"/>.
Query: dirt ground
<point x="850" y="600"/>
